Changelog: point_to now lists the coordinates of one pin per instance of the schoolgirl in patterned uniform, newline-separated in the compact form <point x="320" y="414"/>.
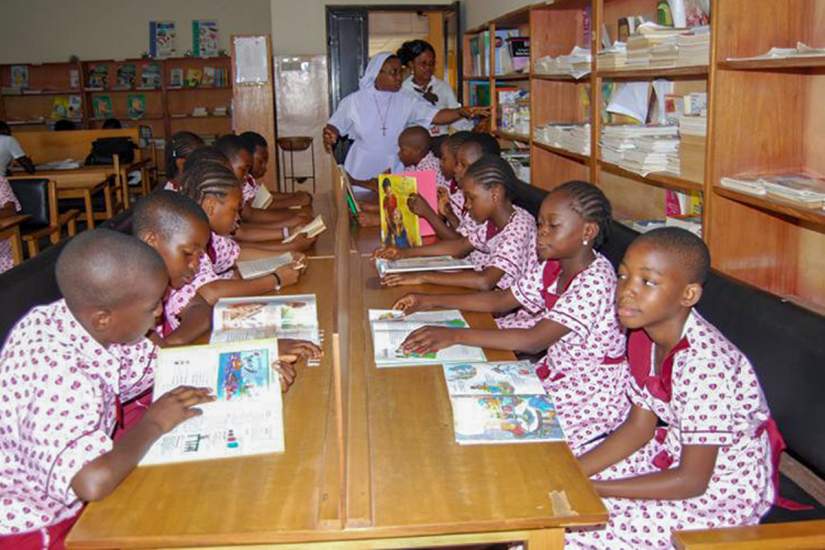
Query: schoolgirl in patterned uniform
<point x="712" y="464"/>
<point x="180" y="146"/>
<point x="64" y="370"/>
<point x="258" y="147"/>
<point x="564" y="304"/>
<point x="502" y="247"/>
<point x="9" y="205"/>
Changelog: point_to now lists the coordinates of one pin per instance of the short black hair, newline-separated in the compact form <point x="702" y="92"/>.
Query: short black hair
<point x="687" y="248"/>
<point x="416" y="135"/>
<point x="489" y="145"/>
<point x="180" y="146"/>
<point x="489" y="171"/>
<point x="207" y="153"/>
<point x="413" y="48"/>
<point x="64" y="125"/>
<point x="230" y="145"/>
<point x="591" y="204"/>
<point x="436" y="143"/>
<point x="96" y="268"/>
<point x="165" y="213"/>
<point x="5" y="129"/>
<point x="253" y="140"/>
<point x="111" y="124"/>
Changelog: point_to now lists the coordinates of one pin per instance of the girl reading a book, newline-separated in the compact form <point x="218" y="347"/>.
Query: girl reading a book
<point x="375" y="115"/>
<point x="501" y="248"/>
<point x="181" y="145"/>
<point x="562" y="305"/>
<point x="258" y="147"/>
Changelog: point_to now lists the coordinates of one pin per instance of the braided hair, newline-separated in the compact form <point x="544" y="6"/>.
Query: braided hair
<point x="180" y="146"/>
<point x="455" y="140"/>
<point x="492" y="170"/>
<point x="591" y="204"/>
<point x="207" y="153"/>
<point x="208" y="178"/>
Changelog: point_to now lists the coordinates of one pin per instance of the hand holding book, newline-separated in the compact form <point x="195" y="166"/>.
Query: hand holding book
<point x="176" y="406"/>
<point x="429" y="339"/>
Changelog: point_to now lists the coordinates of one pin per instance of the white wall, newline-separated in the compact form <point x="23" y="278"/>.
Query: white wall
<point x="52" y="30"/>
<point x="476" y="12"/>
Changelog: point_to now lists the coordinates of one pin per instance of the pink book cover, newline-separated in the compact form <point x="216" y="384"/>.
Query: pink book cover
<point x="426" y="188"/>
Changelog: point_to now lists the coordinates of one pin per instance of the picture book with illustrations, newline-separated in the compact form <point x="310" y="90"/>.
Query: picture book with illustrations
<point x="425" y="182"/>
<point x="176" y="78"/>
<point x="136" y="106"/>
<point x="245" y="419"/>
<point x="69" y="107"/>
<point x="19" y="76"/>
<point x="391" y="327"/>
<point x="399" y="226"/>
<point x="102" y="106"/>
<point x="431" y="263"/>
<point x="150" y="78"/>
<point x="126" y="75"/>
<point x="98" y="77"/>
<point x="500" y="402"/>
<point x="193" y="77"/>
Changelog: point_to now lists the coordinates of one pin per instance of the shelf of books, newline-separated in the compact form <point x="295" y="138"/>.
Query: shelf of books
<point x="145" y="92"/>
<point x="766" y="221"/>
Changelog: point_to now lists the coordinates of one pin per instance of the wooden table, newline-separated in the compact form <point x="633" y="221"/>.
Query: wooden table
<point x="82" y="183"/>
<point x="10" y="229"/>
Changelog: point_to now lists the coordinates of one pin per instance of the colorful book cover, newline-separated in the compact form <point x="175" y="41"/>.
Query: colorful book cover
<point x="205" y="37"/>
<point x="193" y="77"/>
<point x="60" y="107"/>
<point x="505" y="419"/>
<point x="399" y="226"/>
<point x="208" y="80"/>
<point x="496" y="378"/>
<point x="176" y="78"/>
<point x="19" y="76"/>
<point x="161" y="39"/>
<point x="426" y="183"/>
<point x="126" y="75"/>
<point x="98" y="75"/>
<point x="102" y="107"/>
<point x="136" y="106"/>
<point x="150" y="76"/>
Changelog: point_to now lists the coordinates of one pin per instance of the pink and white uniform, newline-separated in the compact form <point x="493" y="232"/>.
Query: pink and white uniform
<point x="510" y="248"/>
<point x="6" y="197"/>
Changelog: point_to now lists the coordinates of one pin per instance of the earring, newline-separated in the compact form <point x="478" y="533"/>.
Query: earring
<point x="584" y="242"/>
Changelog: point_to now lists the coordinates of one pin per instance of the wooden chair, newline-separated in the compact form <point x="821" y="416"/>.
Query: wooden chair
<point x="38" y="199"/>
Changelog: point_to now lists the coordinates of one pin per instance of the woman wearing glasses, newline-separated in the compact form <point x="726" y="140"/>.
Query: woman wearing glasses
<point x="375" y="115"/>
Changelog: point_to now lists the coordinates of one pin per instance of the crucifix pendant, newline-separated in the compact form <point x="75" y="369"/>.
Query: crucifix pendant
<point x="384" y="130"/>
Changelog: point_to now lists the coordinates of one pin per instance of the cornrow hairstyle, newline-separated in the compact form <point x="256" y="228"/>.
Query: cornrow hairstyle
<point x="455" y="140"/>
<point x="253" y="140"/>
<point x="180" y="146"/>
<point x="591" y="204"/>
<point x="166" y="213"/>
<point x="489" y="145"/>
<point x="689" y="250"/>
<point x="207" y="153"/>
<point x="489" y="171"/>
<point x="208" y="178"/>
<point x="230" y="145"/>
<point x="413" y="48"/>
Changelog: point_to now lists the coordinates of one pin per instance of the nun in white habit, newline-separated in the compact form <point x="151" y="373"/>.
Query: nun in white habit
<point x="375" y="115"/>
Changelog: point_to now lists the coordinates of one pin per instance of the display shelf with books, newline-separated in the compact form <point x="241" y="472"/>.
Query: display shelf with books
<point x="32" y="93"/>
<point x="584" y="159"/>
<point x="697" y="71"/>
<point x="665" y="180"/>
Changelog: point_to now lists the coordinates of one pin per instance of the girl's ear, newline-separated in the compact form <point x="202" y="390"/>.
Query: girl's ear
<point x="590" y="231"/>
<point x="209" y="205"/>
<point x="179" y="162"/>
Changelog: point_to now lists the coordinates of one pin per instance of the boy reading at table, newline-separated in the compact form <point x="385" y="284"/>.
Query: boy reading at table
<point x="696" y="450"/>
<point x="178" y="148"/>
<point x="501" y="248"/>
<point x="258" y="147"/>
<point x="563" y="306"/>
<point x="64" y="371"/>
<point x="9" y="206"/>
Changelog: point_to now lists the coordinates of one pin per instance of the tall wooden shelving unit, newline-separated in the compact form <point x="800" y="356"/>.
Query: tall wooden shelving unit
<point x="762" y="116"/>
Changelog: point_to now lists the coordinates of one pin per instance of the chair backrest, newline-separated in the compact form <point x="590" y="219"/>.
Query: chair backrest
<point x="75" y="144"/>
<point x="35" y="199"/>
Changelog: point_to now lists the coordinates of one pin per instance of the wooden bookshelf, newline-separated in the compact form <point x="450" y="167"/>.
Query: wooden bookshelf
<point x="775" y="205"/>
<point x="584" y="159"/>
<point x="791" y="64"/>
<point x="665" y="180"/>
<point x="509" y="136"/>
<point x="48" y="80"/>
<point x="699" y="71"/>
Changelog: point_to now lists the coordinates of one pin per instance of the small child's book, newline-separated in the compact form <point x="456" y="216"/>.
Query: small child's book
<point x="208" y="77"/>
<point x="251" y="269"/>
<point x="136" y="106"/>
<point x="126" y="74"/>
<point x="98" y="76"/>
<point x="19" y="76"/>
<point x="245" y="419"/>
<point x="263" y="198"/>
<point x="399" y="226"/>
<point x="102" y="106"/>
<point x="432" y="263"/>
<point x="500" y="402"/>
<point x="312" y="229"/>
<point x="426" y="185"/>
<point x="150" y="78"/>
<point x="193" y="77"/>
<point x="176" y="78"/>
<point x="391" y="327"/>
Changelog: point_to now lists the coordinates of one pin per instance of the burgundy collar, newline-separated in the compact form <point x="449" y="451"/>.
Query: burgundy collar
<point x="639" y="347"/>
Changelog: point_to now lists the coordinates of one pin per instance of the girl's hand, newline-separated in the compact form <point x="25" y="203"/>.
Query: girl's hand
<point x="176" y="406"/>
<point x="331" y="136"/>
<point x="400" y="279"/>
<point x="300" y="260"/>
<point x="429" y="339"/>
<point x="299" y="348"/>
<point x="302" y="198"/>
<point x="289" y="274"/>
<point x="444" y="208"/>
<point x="285" y="367"/>
<point x="418" y="205"/>
<point x="298" y="220"/>
<point x="412" y="303"/>
<point x="388" y="253"/>
<point x="302" y="242"/>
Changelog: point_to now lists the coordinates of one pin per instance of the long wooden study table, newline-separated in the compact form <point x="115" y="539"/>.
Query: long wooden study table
<point x="370" y="458"/>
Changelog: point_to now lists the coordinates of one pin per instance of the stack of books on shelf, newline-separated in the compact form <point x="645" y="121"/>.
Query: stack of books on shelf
<point x="649" y="36"/>
<point x="576" y="64"/>
<point x="612" y="58"/>
<point x="799" y="188"/>
<point x="519" y="159"/>
<point x="693" y="124"/>
<point x="639" y="149"/>
<point x="694" y="47"/>
<point x="571" y="137"/>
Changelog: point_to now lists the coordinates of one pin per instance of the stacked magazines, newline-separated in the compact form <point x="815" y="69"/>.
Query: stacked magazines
<point x="501" y="402"/>
<point x="798" y="188"/>
<point x="432" y="263"/>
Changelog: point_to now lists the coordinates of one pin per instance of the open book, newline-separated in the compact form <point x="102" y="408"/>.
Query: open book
<point x="247" y="417"/>
<point x="251" y="269"/>
<point x="263" y="198"/>
<point x="313" y="228"/>
<point x="432" y="263"/>
<point x="501" y="402"/>
<point x="391" y="327"/>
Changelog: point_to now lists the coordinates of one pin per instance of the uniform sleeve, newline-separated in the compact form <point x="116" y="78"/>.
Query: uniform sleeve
<point x="582" y="305"/>
<point x="137" y="368"/>
<point x="512" y="253"/>
<point x="342" y="117"/>
<point x="15" y="149"/>
<point x="179" y="298"/>
<point x="527" y="289"/>
<point x="637" y="395"/>
<point x="422" y="113"/>
<point x="705" y="404"/>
